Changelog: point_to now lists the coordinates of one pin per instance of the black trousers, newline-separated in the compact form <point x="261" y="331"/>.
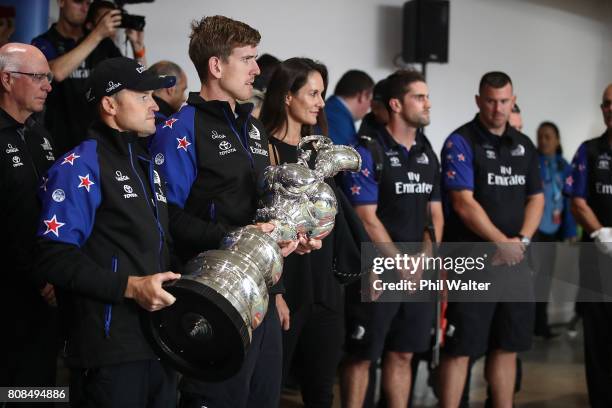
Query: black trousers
<point x="138" y="384"/>
<point x="597" y="321"/>
<point x="313" y="346"/>
<point x="29" y="356"/>
<point x="258" y="382"/>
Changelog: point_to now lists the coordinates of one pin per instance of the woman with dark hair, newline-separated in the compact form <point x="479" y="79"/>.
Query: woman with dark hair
<point x="557" y="223"/>
<point x="311" y="310"/>
<point x="295" y="98"/>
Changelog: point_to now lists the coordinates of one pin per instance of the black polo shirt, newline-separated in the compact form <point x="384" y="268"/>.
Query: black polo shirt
<point x="591" y="177"/>
<point x="502" y="171"/>
<point x="410" y="179"/>
<point x="68" y="114"/>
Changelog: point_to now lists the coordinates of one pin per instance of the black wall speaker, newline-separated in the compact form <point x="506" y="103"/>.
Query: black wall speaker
<point x="425" y="31"/>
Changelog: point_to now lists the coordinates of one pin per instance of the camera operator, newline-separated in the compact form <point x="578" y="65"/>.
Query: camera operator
<point x="134" y="33"/>
<point x="81" y="38"/>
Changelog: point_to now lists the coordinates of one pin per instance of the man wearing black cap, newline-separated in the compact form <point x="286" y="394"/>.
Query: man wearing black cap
<point x="103" y="243"/>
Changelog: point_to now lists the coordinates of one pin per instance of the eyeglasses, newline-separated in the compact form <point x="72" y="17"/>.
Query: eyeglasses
<point x="36" y="76"/>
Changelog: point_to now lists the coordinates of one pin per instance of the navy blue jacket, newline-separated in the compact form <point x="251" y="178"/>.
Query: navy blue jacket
<point x="104" y="218"/>
<point x="340" y="121"/>
<point x="211" y="161"/>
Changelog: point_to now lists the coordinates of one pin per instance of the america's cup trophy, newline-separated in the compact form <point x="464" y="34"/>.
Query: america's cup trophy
<point x="223" y="296"/>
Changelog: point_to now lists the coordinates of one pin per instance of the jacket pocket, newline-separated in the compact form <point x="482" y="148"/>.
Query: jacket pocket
<point x="108" y="308"/>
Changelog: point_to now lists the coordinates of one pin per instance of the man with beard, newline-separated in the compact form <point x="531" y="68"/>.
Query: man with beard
<point x="394" y="209"/>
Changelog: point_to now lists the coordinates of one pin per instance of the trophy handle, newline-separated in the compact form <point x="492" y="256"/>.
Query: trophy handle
<point x="318" y="141"/>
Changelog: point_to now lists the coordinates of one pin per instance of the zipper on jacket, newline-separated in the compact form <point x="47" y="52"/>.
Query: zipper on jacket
<point x="244" y="142"/>
<point x="21" y="133"/>
<point x="155" y="204"/>
<point x="159" y="227"/>
<point x="212" y="211"/>
<point x="108" y="308"/>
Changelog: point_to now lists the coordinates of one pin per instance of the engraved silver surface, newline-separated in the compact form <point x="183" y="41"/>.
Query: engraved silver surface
<point x="296" y="198"/>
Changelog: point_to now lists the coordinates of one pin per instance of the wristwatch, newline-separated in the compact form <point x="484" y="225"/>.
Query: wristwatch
<point x="525" y="240"/>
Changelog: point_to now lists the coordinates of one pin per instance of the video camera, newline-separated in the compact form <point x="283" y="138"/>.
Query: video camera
<point x="131" y="21"/>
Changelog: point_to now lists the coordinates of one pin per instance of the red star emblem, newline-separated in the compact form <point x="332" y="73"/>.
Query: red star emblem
<point x="461" y="157"/>
<point x="85" y="182"/>
<point x="449" y="144"/>
<point x="183" y="143"/>
<point x="450" y="174"/>
<point x="366" y="172"/>
<point x="355" y="190"/>
<point x="169" y="123"/>
<point x="569" y="181"/>
<point x="44" y="183"/>
<point x="53" y="225"/>
<point x="70" y="159"/>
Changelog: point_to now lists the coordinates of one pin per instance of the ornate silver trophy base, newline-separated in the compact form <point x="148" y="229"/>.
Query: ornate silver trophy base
<point x="223" y="296"/>
<point x="202" y="335"/>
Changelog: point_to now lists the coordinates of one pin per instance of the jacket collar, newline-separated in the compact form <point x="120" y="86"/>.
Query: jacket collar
<point x="115" y="140"/>
<point x="390" y="143"/>
<point x="603" y="142"/>
<point x="508" y="137"/>
<point x="338" y="101"/>
<point x="7" y="121"/>
<point x="219" y="109"/>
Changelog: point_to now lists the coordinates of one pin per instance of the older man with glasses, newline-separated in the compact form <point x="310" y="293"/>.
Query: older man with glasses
<point x="27" y="309"/>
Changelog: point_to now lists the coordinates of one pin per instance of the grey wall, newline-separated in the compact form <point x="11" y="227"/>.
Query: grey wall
<point x="558" y="52"/>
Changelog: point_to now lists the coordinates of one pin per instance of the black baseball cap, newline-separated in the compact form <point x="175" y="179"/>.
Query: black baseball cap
<point x="114" y="74"/>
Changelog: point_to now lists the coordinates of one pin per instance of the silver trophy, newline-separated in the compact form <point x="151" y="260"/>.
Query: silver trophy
<point x="223" y="296"/>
